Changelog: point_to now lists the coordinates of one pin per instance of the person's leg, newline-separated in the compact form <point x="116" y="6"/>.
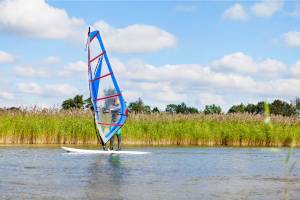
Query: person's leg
<point x="111" y="143"/>
<point x="119" y="136"/>
<point x="119" y="142"/>
<point x="102" y="143"/>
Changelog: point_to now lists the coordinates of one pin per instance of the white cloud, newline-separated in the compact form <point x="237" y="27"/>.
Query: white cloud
<point x="31" y="71"/>
<point x="209" y="98"/>
<point x="6" y="57"/>
<point x="131" y="95"/>
<point x="295" y="70"/>
<point x="166" y="84"/>
<point x="160" y="91"/>
<point x="60" y="90"/>
<point x="7" y="95"/>
<point x="237" y="61"/>
<point x="186" y="8"/>
<point x="193" y="83"/>
<point x="236" y="12"/>
<point x="117" y="65"/>
<point x="183" y="77"/>
<point x="292" y="38"/>
<point x="279" y="87"/>
<point x="47" y="90"/>
<point x="137" y="38"/>
<point x="166" y="94"/>
<point x="31" y="88"/>
<point x="267" y="8"/>
<point x="271" y="66"/>
<point x="36" y="18"/>
<point x="51" y="60"/>
<point x="240" y="62"/>
<point x="77" y="67"/>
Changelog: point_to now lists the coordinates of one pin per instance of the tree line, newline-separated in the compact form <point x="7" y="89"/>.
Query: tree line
<point x="277" y="107"/>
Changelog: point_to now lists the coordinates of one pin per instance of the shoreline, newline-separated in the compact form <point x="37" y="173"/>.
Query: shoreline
<point x="92" y="146"/>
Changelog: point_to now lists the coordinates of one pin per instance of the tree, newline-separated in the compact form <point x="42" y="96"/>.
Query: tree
<point x="192" y="110"/>
<point x="75" y="103"/>
<point x="250" y="108"/>
<point x="237" y="109"/>
<point x="87" y="103"/>
<point x="171" y="108"/>
<point x="297" y="105"/>
<point x="181" y="108"/>
<point x="139" y="107"/>
<point x="260" y="107"/>
<point x="279" y="107"/>
<point x="68" y="104"/>
<point x="155" y="110"/>
<point x="78" y="101"/>
<point x="147" y="109"/>
<point x="212" y="109"/>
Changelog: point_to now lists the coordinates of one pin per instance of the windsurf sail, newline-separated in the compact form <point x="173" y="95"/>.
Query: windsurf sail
<point x="110" y="110"/>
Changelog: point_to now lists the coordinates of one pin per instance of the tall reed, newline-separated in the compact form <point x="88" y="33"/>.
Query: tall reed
<point x="76" y="127"/>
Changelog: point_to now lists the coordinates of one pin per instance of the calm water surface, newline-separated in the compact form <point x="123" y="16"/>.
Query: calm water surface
<point x="167" y="173"/>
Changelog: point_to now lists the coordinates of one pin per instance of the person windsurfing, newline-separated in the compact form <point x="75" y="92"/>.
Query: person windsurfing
<point x="100" y="74"/>
<point x="115" y="111"/>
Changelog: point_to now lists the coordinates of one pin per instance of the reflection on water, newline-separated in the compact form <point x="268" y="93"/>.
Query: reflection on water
<point x="167" y="173"/>
<point x="104" y="185"/>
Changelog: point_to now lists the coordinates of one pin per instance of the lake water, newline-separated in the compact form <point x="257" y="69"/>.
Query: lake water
<point x="166" y="173"/>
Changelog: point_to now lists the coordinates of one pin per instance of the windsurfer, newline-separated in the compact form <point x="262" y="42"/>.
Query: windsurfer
<point x="110" y="114"/>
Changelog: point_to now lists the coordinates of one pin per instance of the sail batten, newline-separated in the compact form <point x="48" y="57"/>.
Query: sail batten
<point x="103" y="76"/>
<point x="107" y="97"/>
<point x="106" y="124"/>
<point x="99" y="55"/>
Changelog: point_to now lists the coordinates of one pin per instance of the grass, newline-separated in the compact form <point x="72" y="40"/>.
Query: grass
<point x="76" y="127"/>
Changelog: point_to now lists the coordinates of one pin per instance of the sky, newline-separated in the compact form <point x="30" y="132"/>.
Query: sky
<point x="198" y="52"/>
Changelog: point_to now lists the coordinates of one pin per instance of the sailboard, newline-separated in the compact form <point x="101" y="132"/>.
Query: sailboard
<point x="89" y="151"/>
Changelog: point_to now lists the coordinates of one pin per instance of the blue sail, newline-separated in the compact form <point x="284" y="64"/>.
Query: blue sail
<point x="109" y="106"/>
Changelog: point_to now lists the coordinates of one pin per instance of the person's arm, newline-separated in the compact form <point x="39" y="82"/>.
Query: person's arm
<point x="115" y="109"/>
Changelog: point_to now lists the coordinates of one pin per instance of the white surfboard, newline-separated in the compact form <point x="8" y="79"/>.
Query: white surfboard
<point x="89" y="151"/>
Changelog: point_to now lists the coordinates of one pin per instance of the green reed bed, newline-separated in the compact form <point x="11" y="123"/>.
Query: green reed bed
<point x="211" y="130"/>
<point x="77" y="127"/>
<point x="46" y="127"/>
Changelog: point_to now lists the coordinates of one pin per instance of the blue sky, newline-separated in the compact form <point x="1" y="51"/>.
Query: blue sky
<point x="165" y="52"/>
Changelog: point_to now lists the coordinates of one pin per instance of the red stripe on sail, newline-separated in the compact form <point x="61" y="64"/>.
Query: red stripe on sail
<point x="107" y="97"/>
<point x="107" y="124"/>
<point x="97" y="56"/>
<point x="97" y="111"/>
<point x="105" y="75"/>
